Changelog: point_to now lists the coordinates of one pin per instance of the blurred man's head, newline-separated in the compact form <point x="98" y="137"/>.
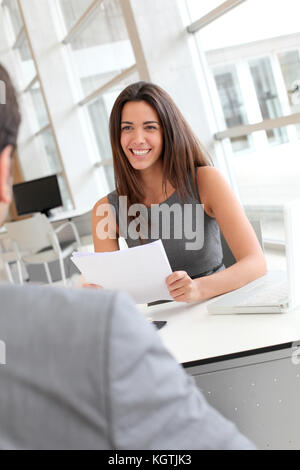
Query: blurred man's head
<point x="9" y="125"/>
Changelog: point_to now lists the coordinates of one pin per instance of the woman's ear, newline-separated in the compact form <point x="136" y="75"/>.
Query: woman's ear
<point x="5" y="174"/>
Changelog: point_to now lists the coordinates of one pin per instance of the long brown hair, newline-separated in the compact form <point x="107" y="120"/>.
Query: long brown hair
<point x="10" y="117"/>
<point x="181" y="152"/>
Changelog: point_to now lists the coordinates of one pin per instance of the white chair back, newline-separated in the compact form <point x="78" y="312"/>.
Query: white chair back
<point x="33" y="234"/>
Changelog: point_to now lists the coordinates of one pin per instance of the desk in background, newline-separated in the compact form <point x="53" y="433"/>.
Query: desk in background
<point x="82" y="218"/>
<point x="243" y="365"/>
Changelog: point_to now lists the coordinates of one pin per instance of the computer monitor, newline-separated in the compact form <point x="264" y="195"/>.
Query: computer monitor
<point x="38" y="195"/>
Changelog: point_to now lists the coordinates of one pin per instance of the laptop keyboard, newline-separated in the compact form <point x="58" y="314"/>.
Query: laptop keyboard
<point x="277" y="294"/>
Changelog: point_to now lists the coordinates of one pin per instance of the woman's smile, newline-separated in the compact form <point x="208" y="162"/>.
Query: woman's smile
<point x="140" y="153"/>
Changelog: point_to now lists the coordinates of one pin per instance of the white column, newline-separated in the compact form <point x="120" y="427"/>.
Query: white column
<point x="68" y="120"/>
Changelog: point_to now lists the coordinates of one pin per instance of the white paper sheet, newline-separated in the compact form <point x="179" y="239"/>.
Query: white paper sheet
<point x="140" y="271"/>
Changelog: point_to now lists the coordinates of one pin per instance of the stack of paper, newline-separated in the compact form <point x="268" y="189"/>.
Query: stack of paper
<point x="140" y="271"/>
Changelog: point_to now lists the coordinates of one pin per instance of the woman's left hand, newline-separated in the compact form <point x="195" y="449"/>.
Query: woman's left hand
<point x="182" y="288"/>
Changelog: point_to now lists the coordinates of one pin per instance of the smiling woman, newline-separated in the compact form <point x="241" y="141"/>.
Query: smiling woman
<point x="162" y="169"/>
<point x="141" y="135"/>
<point x="177" y="149"/>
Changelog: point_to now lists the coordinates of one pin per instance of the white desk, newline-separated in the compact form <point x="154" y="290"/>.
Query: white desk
<point x="68" y="215"/>
<point x="192" y="334"/>
<point x="243" y="365"/>
<point x="58" y="217"/>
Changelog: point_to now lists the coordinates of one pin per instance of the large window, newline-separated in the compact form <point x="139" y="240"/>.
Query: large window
<point x="45" y="147"/>
<point x="39" y="104"/>
<point x="16" y="20"/>
<point x="72" y="10"/>
<point x="101" y="48"/>
<point x="254" y="75"/>
<point x="26" y="61"/>
<point x="290" y="67"/>
<point x="232" y="102"/>
<point x="267" y="95"/>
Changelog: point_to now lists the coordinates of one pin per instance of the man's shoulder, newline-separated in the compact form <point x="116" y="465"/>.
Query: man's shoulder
<point x="31" y="304"/>
<point x="48" y="319"/>
<point x="41" y="293"/>
<point x="57" y="344"/>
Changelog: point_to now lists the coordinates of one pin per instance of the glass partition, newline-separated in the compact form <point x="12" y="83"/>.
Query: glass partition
<point x="72" y="10"/>
<point x="99" y="112"/>
<point x="39" y="105"/>
<point x="15" y="16"/>
<point x="102" y="49"/>
<point x="252" y="54"/>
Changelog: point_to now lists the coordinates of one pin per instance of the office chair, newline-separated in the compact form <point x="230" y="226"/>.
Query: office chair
<point x="8" y="257"/>
<point x="36" y="242"/>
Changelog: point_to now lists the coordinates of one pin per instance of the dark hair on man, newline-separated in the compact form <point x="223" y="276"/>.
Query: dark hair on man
<point x="10" y="116"/>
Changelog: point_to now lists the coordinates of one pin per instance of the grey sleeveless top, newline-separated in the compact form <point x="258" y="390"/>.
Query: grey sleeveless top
<point x="190" y="237"/>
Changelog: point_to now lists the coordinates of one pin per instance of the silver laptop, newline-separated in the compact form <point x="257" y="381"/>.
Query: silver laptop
<point x="277" y="291"/>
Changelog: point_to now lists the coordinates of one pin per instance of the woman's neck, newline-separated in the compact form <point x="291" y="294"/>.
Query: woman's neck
<point x="154" y="191"/>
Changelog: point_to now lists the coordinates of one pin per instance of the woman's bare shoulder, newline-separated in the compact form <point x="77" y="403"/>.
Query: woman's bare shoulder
<point x="210" y="181"/>
<point x="103" y="200"/>
<point x="208" y="173"/>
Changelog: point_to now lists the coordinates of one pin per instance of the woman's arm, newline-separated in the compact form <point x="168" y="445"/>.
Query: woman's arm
<point x="105" y="233"/>
<point x="221" y="203"/>
<point x="104" y="227"/>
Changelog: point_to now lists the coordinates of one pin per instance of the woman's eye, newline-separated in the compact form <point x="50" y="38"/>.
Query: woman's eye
<point x="126" y="128"/>
<point x="151" y="128"/>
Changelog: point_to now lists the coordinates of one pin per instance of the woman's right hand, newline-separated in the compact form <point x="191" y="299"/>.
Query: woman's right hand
<point x="91" y="286"/>
<point x="85" y="285"/>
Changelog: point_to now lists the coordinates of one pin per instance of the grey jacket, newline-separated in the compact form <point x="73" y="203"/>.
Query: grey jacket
<point x="85" y="370"/>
